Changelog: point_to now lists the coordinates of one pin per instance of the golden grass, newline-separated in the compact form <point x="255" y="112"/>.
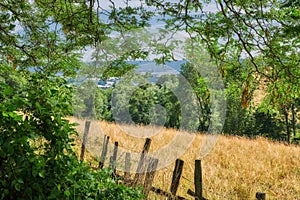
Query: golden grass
<point x="236" y="168"/>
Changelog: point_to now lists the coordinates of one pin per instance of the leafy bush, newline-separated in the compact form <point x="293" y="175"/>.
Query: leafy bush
<point x="251" y="122"/>
<point x="36" y="158"/>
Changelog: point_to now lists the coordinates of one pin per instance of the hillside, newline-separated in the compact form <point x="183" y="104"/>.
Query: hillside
<point x="236" y="168"/>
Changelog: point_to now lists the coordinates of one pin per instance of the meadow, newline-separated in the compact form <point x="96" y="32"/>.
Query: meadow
<point x="236" y="167"/>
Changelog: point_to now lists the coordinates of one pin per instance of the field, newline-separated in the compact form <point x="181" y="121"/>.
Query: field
<point x="236" y="168"/>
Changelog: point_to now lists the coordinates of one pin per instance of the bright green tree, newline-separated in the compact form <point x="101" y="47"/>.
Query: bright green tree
<point x="40" y="41"/>
<point x="259" y="38"/>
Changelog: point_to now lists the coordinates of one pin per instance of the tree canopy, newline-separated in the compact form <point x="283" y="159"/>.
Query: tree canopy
<point x="254" y="44"/>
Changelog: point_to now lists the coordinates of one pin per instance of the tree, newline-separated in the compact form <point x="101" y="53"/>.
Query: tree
<point x="259" y="37"/>
<point x="168" y="99"/>
<point x="39" y="43"/>
<point x="194" y="77"/>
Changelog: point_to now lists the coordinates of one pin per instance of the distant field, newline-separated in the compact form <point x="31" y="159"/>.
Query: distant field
<point x="236" y="168"/>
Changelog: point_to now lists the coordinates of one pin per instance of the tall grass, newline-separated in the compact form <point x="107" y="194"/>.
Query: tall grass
<point x="236" y="168"/>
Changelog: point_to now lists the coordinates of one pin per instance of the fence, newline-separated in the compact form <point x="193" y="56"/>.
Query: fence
<point x="144" y="175"/>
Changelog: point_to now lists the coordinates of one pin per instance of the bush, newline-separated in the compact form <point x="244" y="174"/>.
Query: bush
<point x="36" y="158"/>
<point x="251" y="122"/>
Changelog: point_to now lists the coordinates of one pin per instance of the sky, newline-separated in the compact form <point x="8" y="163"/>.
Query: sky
<point x="155" y="25"/>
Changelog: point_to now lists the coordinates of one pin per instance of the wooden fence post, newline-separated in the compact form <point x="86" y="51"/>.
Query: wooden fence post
<point x="176" y="176"/>
<point x="85" y="134"/>
<point x="113" y="159"/>
<point x="153" y="162"/>
<point x="198" y="180"/>
<point x="104" y="151"/>
<point x="260" y="196"/>
<point x="141" y="165"/>
<point x="198" y="194"/>
<point x="127" y="166"/>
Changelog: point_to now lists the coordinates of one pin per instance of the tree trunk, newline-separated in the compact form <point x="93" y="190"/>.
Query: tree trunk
<point x="293" y="120"/>
<point x="286" y="115"/>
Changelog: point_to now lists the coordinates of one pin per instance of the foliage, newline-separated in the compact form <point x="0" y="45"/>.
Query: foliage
<point x="135" y="100"/>
<point x="40" y="41"/>
<point x="169" y="100"/>
<point x="258" y="38"/>
<point x="141" y="102"/>
<point x="194" y="77"/>
<point x="37" y="161"/>
<point x="252" y="43"/>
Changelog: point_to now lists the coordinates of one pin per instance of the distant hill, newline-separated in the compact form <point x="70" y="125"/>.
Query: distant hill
<point x="155" y="70"/>
<point x="158" y="70"/>
<point x="143" y="67"/>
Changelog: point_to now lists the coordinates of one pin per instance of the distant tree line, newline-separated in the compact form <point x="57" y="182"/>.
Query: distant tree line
<point x="157" y="104"/>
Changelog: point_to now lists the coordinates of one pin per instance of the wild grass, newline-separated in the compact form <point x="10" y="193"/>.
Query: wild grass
<point x="236" y="168"/>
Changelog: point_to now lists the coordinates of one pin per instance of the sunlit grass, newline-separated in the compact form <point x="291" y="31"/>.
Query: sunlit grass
<point x="236" y="168"/>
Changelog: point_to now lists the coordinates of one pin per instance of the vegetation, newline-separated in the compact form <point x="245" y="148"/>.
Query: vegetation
<point x="236" y="168"/>
<point x="253" y="44"/>
<point x="36" y="158"/>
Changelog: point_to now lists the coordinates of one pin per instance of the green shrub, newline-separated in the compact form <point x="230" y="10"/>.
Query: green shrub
<point x="36" y="158"/>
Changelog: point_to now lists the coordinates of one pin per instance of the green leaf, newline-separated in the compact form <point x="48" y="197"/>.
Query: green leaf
<point x="38" y="106"/>
<point x="17" y="186"/>
<point x="20" y="181"/>
<point x="8" y="91"/>
<point x="15" y="116"/>
<point x="42" y="174"/>
<point x="67" y="193"/>
<point x="4" y="114"/>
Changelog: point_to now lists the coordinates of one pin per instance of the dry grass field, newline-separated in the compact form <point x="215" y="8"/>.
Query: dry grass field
<point x="236" y="168"/>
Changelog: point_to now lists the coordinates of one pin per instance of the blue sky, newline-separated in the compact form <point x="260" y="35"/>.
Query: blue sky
<point x="153" y="29"/>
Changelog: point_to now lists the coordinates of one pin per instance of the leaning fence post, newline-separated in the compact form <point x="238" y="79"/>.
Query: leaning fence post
<point x="127" y="166"/>
<point x="104" y="151"/>
<point x="260" y="196"/>
<point x="141" y="165"/>
<point x="113" y="159"/>
<point x="176" y="176"/>
<point x="153" y="162"/>
<point x="85" y="134"/>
